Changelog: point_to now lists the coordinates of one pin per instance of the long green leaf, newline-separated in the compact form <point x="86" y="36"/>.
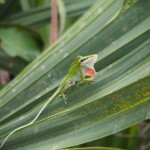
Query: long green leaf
<point x="117" y="99"/>
<point x="38" y="16"/>
<point x="93" y="148"/>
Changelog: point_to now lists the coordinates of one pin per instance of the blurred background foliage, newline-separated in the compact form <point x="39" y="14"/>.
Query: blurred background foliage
<point x="25" y="34"/>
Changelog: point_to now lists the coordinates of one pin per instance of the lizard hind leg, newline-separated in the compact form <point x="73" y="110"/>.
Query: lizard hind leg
<point x="63" y="95"/>
<point x="67" y="85"/>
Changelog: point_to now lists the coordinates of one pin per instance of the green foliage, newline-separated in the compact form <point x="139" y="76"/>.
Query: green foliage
<point x="2" y="1"/>
<point x="17" y="41"/>
<point x="119" y="97"/>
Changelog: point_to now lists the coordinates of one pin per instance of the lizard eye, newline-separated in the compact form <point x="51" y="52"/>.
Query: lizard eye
<point x="83" y="59"/>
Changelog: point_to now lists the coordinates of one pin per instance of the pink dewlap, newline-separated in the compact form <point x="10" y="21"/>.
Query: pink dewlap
<point x="90" y="72"/>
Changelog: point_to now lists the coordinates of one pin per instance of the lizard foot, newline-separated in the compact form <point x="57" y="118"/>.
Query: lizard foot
<point x="64" y="97"/>
<point x="90" y="80"/>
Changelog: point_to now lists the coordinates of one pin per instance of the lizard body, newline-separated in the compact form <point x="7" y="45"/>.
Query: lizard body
<point x="81" y="67"/>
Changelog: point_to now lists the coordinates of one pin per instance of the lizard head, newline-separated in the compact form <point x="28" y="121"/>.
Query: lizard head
<point x="87" y="64"/>
<point x="88" y="61"/>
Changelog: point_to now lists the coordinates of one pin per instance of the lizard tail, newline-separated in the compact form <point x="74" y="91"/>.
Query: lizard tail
<point x="36" y="117"/>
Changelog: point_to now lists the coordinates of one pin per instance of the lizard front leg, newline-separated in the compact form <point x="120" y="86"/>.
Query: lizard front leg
<point x="89" y="79"/>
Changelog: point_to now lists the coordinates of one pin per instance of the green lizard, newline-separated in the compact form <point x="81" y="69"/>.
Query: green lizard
<point x="82" y="70"/>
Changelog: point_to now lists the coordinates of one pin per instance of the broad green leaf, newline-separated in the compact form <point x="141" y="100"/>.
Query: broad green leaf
<point x="18" y="41"/>
<point x="118" y="99"/>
